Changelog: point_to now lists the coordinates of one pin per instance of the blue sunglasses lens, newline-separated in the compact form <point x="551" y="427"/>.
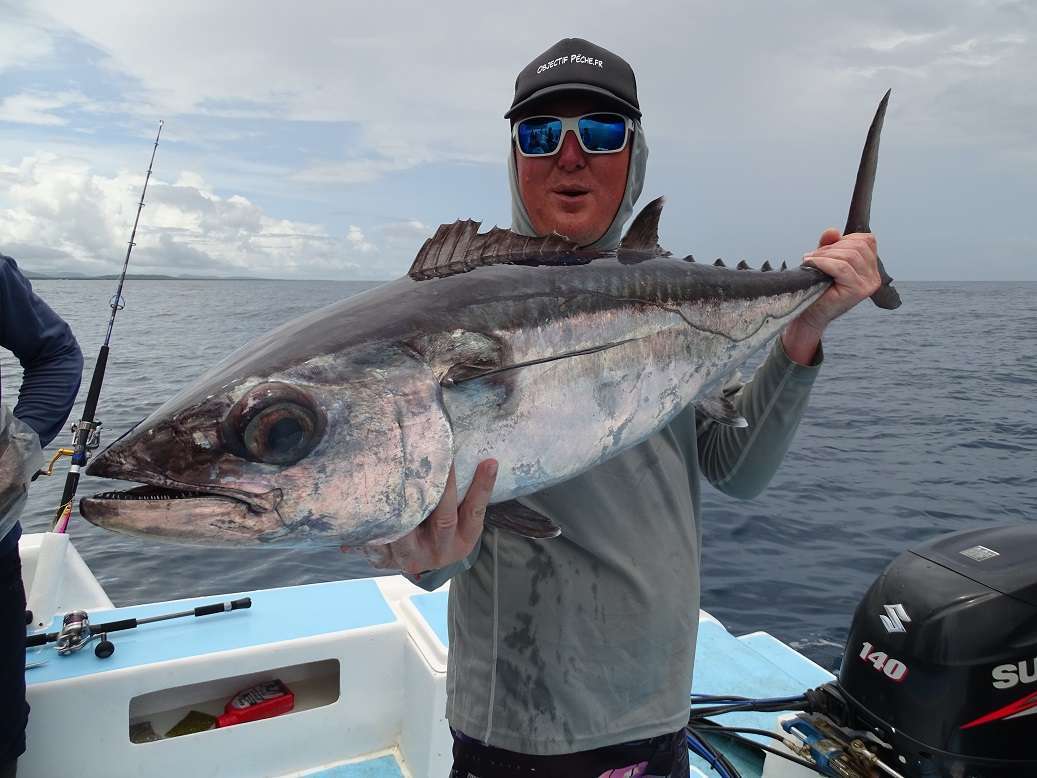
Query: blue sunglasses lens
<point x="603" y="132"/>
<point x="540" y="135"/>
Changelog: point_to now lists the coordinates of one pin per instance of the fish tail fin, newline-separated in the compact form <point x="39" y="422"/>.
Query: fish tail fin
<point x="859" y="217"/>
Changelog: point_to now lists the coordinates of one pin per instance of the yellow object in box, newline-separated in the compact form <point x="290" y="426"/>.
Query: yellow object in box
<point x="195" y="721"/>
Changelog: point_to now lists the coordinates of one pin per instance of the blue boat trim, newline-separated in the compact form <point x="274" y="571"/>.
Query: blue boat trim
<point x="433" y="608"/>
<point x="276" y="615"/>
<point x="381" y="767"/>
<point x="796" y="665"/>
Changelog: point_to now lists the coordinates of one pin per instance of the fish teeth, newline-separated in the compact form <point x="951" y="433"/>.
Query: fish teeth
<point x="171" y="494"/>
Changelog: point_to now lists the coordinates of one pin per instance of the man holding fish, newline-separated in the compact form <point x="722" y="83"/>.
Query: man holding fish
<point x="570" y="383"/>
<point x="573" y="656"/>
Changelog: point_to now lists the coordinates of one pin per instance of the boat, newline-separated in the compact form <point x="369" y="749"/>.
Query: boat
<point x="365" y="659"/>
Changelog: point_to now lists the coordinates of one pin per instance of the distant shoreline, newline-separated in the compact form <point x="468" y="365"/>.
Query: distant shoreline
<point x="159" y="277"/>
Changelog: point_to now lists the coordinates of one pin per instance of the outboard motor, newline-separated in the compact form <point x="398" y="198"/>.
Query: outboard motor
<point x="941" y="661"/>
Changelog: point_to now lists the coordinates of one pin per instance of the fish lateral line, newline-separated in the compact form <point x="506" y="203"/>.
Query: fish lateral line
<point x="447" y="381"/>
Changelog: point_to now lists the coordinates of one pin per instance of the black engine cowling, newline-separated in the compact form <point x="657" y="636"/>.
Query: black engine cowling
<point x="941" y="660"/>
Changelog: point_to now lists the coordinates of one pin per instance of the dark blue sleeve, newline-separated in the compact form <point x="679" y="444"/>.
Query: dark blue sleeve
<point x="47" y="349"/>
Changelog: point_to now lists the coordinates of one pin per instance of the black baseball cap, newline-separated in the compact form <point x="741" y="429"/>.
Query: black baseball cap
<point x="577" y="65"/>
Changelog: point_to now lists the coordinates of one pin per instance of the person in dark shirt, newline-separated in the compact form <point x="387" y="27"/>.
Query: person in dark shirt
<point x="53" y="368"/>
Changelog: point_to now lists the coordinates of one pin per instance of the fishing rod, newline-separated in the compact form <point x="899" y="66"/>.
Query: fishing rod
<point x="87" y="431"/>
<point x="77" y="631"/>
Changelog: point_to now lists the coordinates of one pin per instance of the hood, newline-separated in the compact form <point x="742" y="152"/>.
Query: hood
<point x="521" y="224"/>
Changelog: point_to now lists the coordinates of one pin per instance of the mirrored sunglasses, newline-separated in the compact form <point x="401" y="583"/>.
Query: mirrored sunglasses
<point x="598" y="133"/>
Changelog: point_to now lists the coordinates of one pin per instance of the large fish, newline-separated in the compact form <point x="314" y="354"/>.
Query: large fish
<point x="340" y="427"/>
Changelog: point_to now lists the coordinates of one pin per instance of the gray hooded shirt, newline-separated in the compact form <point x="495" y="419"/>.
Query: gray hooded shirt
<point x="588" y="639"/>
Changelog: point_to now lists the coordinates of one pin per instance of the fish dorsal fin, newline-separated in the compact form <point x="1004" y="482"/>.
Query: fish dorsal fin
<point x="643" y="233"/>
<point x="460" y="247"/>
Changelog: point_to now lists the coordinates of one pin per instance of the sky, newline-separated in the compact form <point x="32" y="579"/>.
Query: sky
<point x="328" y="140"/>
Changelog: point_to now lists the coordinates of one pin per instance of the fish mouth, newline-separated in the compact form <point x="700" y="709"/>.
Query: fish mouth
<point x="151" y="493"/>
<point x="155" y="486"/>
<point x="183" y="515"/>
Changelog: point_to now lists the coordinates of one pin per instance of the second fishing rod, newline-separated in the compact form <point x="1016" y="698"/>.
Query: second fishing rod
<point x="87" y="429"/>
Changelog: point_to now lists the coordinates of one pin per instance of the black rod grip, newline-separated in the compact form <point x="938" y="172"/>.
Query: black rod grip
<point x="112" y="626"/>
<point x="205" y="610"/>
<point x="90" y="408"/>
<point x="220" y="607"/>
<point x="40" y="639"/>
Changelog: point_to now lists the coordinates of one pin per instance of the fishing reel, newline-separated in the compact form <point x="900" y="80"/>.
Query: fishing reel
<point x="93" y="433"/>
<point x="91" y="443"/>
<point x="76" y="633"/>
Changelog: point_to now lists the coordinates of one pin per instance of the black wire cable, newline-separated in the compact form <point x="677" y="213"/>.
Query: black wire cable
<point x="699" y="725"/>
<point x="751" y="705"/>
<point x="710" y="727"/>
<point x="700" y="698"/>
<point x="713" y="752"/>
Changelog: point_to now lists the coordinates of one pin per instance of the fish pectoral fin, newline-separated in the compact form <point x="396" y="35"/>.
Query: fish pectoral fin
<point x="722" y="411"/>
<point x="459" y="355"/>
<point x="512" y="516"/>
<point x="466" y="371"/>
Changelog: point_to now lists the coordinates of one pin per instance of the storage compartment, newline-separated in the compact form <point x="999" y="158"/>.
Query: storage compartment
<point x="314" y="684"/>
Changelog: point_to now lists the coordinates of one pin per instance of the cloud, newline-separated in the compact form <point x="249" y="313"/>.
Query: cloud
<point x="333" y="117"/>
<point x="400" y="241"/>
<point x="62" y="216"/>
<point x="354" y="171"/>
<point x="39" y="108"/>
<point x="24" y="38"/>
<point x="356" y="238"/>
<point x="897" y="38"/>
<point x="436" y="81"/>
<point x="431" y="85"/>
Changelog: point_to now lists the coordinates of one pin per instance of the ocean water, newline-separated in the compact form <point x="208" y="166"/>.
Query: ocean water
<point x="922" y="422"/>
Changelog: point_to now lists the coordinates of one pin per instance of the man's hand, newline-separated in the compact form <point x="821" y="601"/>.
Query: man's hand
<point x="852" y="262"/>
<point x="446" y="536"/>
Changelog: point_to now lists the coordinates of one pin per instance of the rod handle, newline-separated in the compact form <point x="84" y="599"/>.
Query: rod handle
<point x="40" y="639"/>
<point x="221" y="607"/>
<point x="112" y="626"/>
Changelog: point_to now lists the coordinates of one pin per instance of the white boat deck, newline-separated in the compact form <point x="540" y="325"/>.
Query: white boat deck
<point x="366" y="660"/>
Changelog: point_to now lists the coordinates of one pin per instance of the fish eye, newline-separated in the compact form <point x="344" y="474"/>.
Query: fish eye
<point x="279" y="434"/>
<point x="274" y="423"/>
